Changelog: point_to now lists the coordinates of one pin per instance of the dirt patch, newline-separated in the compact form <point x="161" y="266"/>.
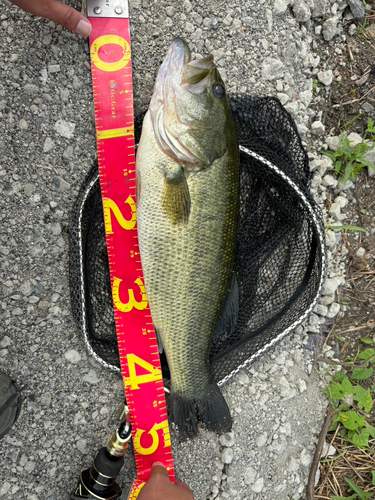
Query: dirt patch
<point x="351" y="96"/>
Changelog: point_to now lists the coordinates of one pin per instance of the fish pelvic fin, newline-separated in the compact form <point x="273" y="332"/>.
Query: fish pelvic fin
<point x="176" y="197"/>
<point x="211" y="410"/>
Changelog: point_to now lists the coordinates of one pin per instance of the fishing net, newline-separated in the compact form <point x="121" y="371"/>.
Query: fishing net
<point x="280" y="248"/>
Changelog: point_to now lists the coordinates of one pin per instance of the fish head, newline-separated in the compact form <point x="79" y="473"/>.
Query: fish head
<point x="189" y="109"/>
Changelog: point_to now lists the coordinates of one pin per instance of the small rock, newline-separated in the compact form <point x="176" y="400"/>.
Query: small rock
<point x="327" y="300"/>
<point x="250" y="475"/>
<point x="305" y="458"/>
<point x="330" y="286"/>
<point x="227" y="455"/>
<point x="357" y="8"/>
<point x="283" y="98"/>
<point x="82" y="446"/>
<point x="352" y="30"/>
<point x="333" y="310"/>
<point x="72" y="356"/>
<point x="48" y="145"/>
<point x="23" y="124"/>
<point x="330" y="28"/>
<point x="335" y="211"/>
<point x="333" y="143"/>
<point x="261" y="440"/>
<point x="5" y="341"/>
<point x="301" y="386"/>
<point x="321" y="310"/>
<point x="325" y="77"/>
<point x="258" y="485"/>
<point x="341" y="200"/>
<point x="301" y="11"/>
<point x="228" y="439"/>
<point x="306" y="97"/>
<point x="354" y="139"/>
<point x="26" y="288"/>
<point x="272" y="69"/>
<point x="91" y="377"/>
<point x="54" y="68"/>
<point x="367" y="107"/>
<point x="328" y="450"/>
<point x="280" y="7"/>
<point x="65" y="129"/>
<point x="317" y="128"/>
<point x="330" y="181"/>
<point x="360" y="252"/>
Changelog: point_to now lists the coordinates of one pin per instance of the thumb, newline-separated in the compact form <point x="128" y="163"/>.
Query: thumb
<point x="158" y="468"/>
<point x="69" y="18"/>
<point x="57" y="12"/>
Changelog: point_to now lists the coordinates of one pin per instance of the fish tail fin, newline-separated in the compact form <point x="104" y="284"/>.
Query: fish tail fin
<point x="212" y="410"/>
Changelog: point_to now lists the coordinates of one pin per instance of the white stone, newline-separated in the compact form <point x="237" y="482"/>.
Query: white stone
<point x="82" y="446"/>
<point x="283" y="98"/>
<point x="305" y="458"/>
<point x="317" y="128"/>
<point x="258" y="485"/>
<point x="360" y="252"/>
<point x="333" y="310"/>
<point x="65" y="129"/>
<point x="306" y="97"/>
<point x="72" y="356"/>
<point x="250" y="475"/>
<point x="280" y="7"/>
<point x="227" y="455"/>
<point x="330" y="28"/>
<point x="321" y="310"/>
<point x="330" y="286"/>
<point x="301" y="11"/>
<point x="341" y="200"/>
<point x="228" y="439"/>
<point x="91" y="377"/>
<point x="48" y="145"/>
<point x="328" y="450"/>
<point x="261" y="440"/>
<point x="333" y="142"/>
<point x="329" y="180"/>
<point x="354" y="139"/>
<point x="272" y="69"/>
<point x="335" y="210"/>
<point x="325" y="77"/>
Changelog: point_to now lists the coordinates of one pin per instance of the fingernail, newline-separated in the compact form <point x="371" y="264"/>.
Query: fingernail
<point x="158" y="463"/>
<point x="83" y="28"/>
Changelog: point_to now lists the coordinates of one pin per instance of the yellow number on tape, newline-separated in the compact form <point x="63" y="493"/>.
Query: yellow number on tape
<point x="128" y="306"/>
<point x="109" y="205"/>
<point x="133" y="381"/>
<point x="155" y="438"/>
<point x="110" y="66"/>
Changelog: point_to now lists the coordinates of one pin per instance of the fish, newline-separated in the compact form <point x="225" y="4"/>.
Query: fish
<point x="187" y="177"/>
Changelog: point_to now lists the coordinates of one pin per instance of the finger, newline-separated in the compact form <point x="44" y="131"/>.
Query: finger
<point x="158" y="468"/>
<point x="57" y="12"/>
<point x="181" y="484"/>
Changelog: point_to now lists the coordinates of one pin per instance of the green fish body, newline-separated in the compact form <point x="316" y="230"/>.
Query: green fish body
<point x="187" y="214"/>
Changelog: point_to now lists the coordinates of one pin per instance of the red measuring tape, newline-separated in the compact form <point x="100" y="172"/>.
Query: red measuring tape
<point x="114" y="118"/>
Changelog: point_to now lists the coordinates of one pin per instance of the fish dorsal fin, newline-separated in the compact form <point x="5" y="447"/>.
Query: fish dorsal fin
<point x="228" y="314"/>
<point x="176" y="197"/>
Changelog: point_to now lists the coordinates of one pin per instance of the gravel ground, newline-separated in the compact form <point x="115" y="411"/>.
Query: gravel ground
<point x="47" y="144"/>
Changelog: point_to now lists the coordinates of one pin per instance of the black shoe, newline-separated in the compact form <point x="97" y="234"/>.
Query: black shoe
<point x="10" y="403"/>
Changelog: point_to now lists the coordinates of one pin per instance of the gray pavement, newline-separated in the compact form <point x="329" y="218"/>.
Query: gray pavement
<point x="47" y="145"/>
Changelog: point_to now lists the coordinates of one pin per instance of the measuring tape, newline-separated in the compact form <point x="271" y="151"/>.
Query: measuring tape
<point x="114" y="119"/>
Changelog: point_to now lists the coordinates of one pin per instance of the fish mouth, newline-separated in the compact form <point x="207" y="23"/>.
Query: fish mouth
<point x="178" y="72"/>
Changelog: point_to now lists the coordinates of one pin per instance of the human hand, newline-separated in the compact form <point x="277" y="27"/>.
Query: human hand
<point x="57" y="12"/>
<point x="159" y="486"/>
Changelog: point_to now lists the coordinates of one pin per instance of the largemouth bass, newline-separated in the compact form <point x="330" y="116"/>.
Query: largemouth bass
<point x="187" y="213"/>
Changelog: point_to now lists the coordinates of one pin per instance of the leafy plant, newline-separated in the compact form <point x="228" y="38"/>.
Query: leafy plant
<point x="353" y="401"/>
<point x="344" y="228"/>
<point x="359" y="494"/>
<point x="348" y="161"/>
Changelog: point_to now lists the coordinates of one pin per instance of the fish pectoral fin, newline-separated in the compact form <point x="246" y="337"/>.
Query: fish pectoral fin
<point x="176" y="197"/>
<point x="228" y="315"/>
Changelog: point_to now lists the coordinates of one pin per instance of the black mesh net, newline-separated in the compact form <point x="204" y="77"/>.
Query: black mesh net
<point x="280" y="250"/>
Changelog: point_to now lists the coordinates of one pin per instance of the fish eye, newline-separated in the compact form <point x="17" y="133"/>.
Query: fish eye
<point x="218" y="90"/>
